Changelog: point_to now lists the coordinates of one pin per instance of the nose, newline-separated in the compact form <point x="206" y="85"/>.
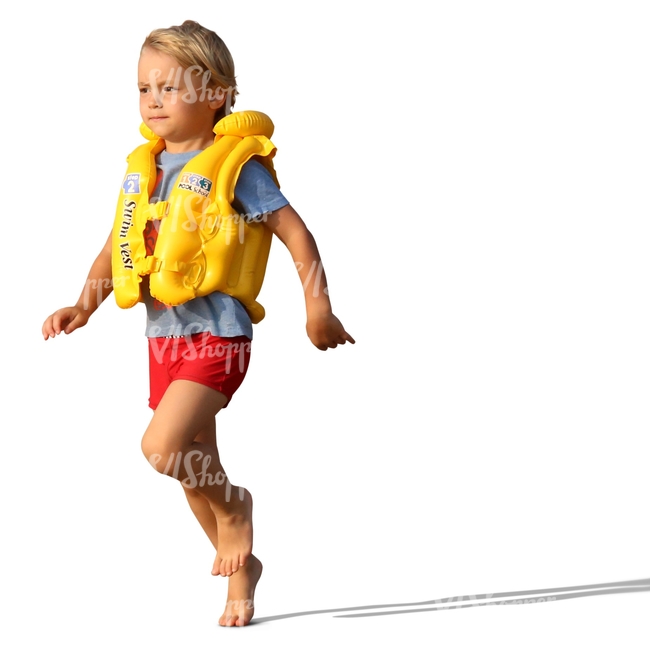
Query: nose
<point x="155" y="98"/>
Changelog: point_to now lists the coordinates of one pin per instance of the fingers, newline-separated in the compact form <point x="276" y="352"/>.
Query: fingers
<point x="75" y="323"/>
<point x="51" y="326"/>
<point x="327" y="332"/>
<point x="65" y="320"/>
<point x="341" y="339"/>
<point x="57" y="322"/>
<point x="328" y="345"/>
<point x="47" y="329"/>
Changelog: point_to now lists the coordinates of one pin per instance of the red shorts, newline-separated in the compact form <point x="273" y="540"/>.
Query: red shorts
<point x="216" y="362"/>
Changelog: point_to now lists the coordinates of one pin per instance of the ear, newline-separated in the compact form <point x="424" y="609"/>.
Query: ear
<point x="217" y="98"/>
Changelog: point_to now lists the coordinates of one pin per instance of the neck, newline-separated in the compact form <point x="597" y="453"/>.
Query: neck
<point x="189" y="145"/>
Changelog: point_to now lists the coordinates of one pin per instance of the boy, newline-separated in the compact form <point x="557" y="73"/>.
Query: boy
<point x="199" y="349"/>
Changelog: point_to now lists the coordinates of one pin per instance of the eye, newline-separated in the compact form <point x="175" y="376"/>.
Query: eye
<point x="169" y="89"/>
<point x="144" y="90"/>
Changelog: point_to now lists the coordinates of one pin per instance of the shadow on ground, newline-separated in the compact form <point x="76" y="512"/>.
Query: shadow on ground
<point x="529" y="597"/>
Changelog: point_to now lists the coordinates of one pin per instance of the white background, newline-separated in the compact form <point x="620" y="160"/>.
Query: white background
<point x="476" y="176"/>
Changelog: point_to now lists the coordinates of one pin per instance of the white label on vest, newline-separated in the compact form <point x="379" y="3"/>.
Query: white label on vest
<point x="195" y="183"/>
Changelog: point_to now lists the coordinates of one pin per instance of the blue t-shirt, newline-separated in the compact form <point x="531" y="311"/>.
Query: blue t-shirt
<point x="218" y="313"/>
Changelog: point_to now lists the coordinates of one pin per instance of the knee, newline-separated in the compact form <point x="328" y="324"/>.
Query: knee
<point x="191" y="492"/>
<point x="161" y="456"/>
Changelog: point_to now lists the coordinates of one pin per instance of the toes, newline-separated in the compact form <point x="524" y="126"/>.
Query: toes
<point x="227" y="618"/>
<point x="238" y="613"/>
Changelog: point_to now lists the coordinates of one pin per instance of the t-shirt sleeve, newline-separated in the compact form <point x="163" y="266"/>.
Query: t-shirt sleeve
<point x="256" y="193"/>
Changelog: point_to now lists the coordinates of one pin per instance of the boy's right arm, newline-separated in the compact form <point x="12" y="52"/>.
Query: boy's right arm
<point x="99" y="285"/>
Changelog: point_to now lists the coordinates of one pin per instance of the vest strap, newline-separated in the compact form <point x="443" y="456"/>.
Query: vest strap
<point x="147" y="265"/>
<point x="158" y="210"/>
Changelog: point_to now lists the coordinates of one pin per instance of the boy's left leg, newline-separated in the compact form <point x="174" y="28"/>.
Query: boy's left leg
<point x="198" y="503"/>
<point x="240" y="606"/>
<point x="241" y="592"/>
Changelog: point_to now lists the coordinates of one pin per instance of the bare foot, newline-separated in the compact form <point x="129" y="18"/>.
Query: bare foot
<point x="235" y="537"/>
<point x="241" y="590"/>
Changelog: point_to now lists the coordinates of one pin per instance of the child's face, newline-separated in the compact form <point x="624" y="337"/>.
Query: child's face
<point x="175" y="104"/>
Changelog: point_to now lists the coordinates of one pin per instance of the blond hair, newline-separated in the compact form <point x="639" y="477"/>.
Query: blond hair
<point x="192" y="44"/>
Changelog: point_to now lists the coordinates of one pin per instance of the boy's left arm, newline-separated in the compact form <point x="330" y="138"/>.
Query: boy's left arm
<point x="323" y="327"/>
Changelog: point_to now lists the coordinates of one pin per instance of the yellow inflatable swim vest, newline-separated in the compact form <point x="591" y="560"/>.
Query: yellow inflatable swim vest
<point x="203" y="244"/>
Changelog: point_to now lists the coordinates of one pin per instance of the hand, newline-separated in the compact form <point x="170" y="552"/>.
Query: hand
<point x="326" y="331"/>
<point x="65" y="320"/>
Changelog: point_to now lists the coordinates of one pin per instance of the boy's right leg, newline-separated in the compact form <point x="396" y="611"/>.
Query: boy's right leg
<point x="186" y="409"/>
